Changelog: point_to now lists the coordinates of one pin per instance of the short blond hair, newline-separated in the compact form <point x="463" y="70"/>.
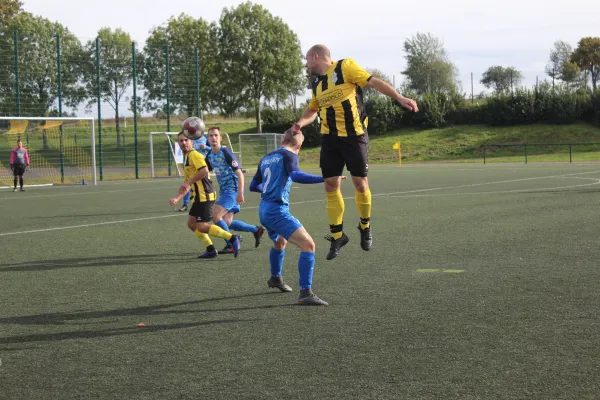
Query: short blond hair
<point x="292" y="138"/>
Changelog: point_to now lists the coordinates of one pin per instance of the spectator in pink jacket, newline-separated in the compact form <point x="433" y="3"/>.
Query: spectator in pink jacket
<point x="19" y="160"/>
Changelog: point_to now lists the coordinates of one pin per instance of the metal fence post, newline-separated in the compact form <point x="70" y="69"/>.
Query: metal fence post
<point x="17" y="84"/>
<point x="135" y="130"/>
<point x="99" y="95"/>
<point x="484" y="151"/>
<point x="198" y="113"/>
<point x="525" y="154"/>
<point x="62" y="144"/>
<point x="570" y="153"/>
<point x="168" y="87"/>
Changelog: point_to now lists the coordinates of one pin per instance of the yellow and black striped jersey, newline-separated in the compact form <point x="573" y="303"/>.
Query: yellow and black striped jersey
<point x="202" y="190"/>
<point x="337" y="96"/>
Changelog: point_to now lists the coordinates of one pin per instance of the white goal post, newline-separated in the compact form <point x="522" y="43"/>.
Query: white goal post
<point x="62" y="150"/>
<point x="254" y="146"/>
<point x="166" y="158"/>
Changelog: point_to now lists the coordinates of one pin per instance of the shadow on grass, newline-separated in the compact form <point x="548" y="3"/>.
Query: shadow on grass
<point x="187" y="259"/>
<point x="83" y="317"/>
<point x="152" y="310"/>
<point x="43" y="337"/>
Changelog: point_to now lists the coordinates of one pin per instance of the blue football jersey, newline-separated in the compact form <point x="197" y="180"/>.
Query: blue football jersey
<point x="202" y="141"/>
<point x="274" y="173"/>
<point x="224" y="164"/>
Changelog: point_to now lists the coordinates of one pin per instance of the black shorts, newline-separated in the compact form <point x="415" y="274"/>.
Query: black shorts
<point x="19" y="169"/>
<point x="337" y="151"/>
<point x="202" y="211"/>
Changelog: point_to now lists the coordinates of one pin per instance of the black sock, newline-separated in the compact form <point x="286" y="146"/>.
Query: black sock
<point x="20" y="182"/>
<point x="15" y="182"/>
<point x="210" y="248"/>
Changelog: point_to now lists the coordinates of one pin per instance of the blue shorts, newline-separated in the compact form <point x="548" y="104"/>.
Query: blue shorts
<point x="228" y="200"/>
<point x="277" y="220"/>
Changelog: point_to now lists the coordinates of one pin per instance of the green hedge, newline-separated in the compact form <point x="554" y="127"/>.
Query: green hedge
<point x="523" y="106"/>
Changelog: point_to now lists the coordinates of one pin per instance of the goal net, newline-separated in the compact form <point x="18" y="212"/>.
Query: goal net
<point x="61" y="150"/>
<point x="254" y="146"/>
<point x="166" y="158"/>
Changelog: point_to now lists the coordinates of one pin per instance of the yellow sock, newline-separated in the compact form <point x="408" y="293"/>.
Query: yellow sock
<point x="204" y="238"/>
<point x="363" y="203"/>
<point x="335" y="213"/>
<point x="218" y="232"/>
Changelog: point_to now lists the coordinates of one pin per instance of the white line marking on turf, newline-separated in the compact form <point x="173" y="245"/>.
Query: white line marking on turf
<point x="100" y="192"/>
<point x="502" y="191"/>
<point x="391" y="194"/>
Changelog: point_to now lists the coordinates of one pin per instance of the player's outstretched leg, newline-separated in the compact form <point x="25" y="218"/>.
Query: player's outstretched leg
<point x="363" y="204"/>
<point x="276" y="261"/>
<point x="335" y="215"/>
<point x="256" y="230"/>
<point x="214" y="230"/>
<point x="306" y="265"/>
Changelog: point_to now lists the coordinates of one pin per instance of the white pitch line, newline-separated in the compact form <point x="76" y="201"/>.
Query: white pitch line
<point x="391" y="194"/>
<point x="100" y="192"/>
<point x="484" y="183"/>
<point x="501" y="191"/>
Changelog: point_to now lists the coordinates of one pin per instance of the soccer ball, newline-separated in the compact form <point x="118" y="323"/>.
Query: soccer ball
<point x="193" y="128"/>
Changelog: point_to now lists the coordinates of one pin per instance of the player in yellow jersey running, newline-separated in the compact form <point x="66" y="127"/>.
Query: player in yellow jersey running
<point x="337" y="99"/>
<point x="202" y="198"/>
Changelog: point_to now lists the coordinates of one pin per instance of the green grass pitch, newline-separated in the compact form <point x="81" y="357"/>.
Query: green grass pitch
<point x="482" y="284"/>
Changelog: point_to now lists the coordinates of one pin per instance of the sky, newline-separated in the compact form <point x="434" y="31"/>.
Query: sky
<point x="476" y="34"/>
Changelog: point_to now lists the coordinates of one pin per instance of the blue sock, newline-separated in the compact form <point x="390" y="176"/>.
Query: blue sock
<point x="186" y="199"/>
<point x="241" y="226"/>
<point x="306" y="266"/>
<point x="276" y="260"/>
<point x="223" y="225"/>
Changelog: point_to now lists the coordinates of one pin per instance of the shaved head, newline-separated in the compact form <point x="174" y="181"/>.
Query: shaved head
<point x="318" y="59"/>
<point x="320" y="50"/>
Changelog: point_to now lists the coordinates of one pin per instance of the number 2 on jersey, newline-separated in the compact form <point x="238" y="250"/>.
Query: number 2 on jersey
<point x="267" y="179"/>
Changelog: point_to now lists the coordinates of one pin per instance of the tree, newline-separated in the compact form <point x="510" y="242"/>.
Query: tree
<point x="259" y="53"/>
<point x="559" y="56"/>
<point x="501" y="79"/>
<point x="368" y="92"/>
<point x="115" y="70"/>
<point x="8" y="9"/>
<point x="429" y="69"/>
<point x="180" y="37"/>
<point x="587" y="57"/>
<point x="38" y="69"/>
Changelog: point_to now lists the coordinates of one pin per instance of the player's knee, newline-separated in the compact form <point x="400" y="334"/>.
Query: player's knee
<point x="216" y="219"/>
<point x="308" y="245"/>
<point x="360" y="183"/>
<point x="192" y="225"/>
<point x="279" y="244"/>
<point x="332" y="184"/>
<point x="203" y="227"/>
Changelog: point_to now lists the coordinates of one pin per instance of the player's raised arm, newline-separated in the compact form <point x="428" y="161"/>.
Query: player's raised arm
<point x="387" y="89"/>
